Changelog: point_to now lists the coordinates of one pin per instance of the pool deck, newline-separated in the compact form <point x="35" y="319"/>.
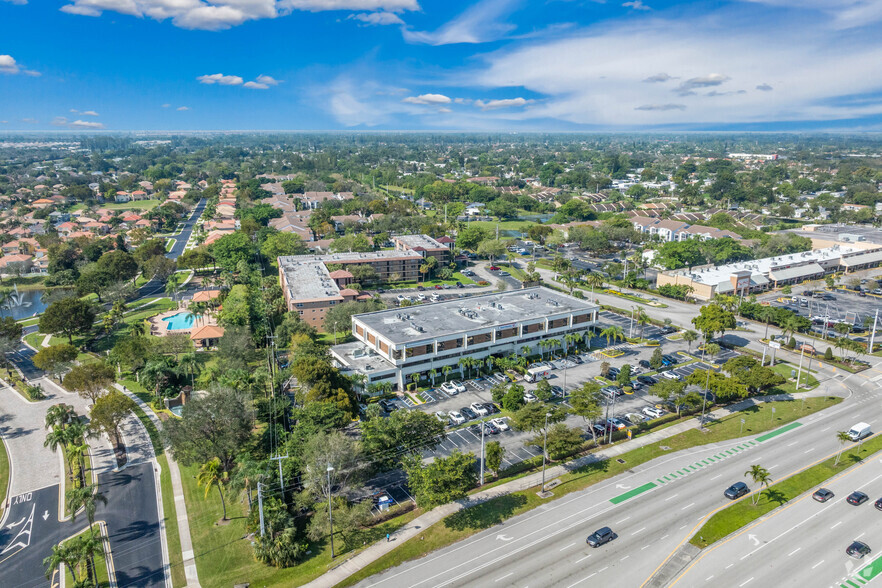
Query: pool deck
<point x="159" y="327"/>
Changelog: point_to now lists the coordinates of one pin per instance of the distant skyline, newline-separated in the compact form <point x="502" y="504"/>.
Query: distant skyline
<point x="491" y="65"/>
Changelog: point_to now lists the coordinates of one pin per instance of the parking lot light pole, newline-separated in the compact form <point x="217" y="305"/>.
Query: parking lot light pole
<point x="799" y="371"/>
<point x="704" y="397"/>
<point x="482" y="452"/>
<point x="330" y="515"/>
<point x="544" y="449"/>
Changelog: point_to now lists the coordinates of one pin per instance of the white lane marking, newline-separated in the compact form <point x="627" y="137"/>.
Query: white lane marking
<point x="792" y="444"/>
<point x="827" y="429"/>
<point x="647" y="546"/>
<point x="746" y="582"/>
<point x="688" y="505"/>
<point x="709" y="578"/>
<point x="817" y="564"/>
<point x="567" y="547"/>
<point x="582" y="580"/>
<point x="578" y="560"/>
<point x="504" y="577"/>
<point x="836" y="525"/>
<point x="717" y="476"/>
<point x="859" y="536"/>
<point x="604" y="569"/>
<point x="774" y="466"/>
<point x="638" y="530"/>
<point x="672" y="497"/>
<point x="729" y="566"/>
<point x="624" y="558"/>
<point x="681" y="528"/>
<point x="622" y="521"/>
<point x="794" y="551"/>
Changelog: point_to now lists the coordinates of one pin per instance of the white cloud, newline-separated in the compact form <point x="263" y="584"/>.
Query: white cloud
<point x="658" y="78"/>
<point x="505" y="103"/>
<point x="59" y="121"/>
<point x="30" y="121"/>
<point x="661" y="107"/>
<point x="478" y="24"/>
<point x="183" y="108"/>
<point x="846" y="14"/>
<point x="636" y="5"/>
<point x="84" y="124"/>
<point x="268" y="80"/>
<point x="444" y="110"/>
<point x="221" y="79"/>
<point x="377" y="18"/>
<point x="218" y="15"/>
<point x="596" y="77"/>
<point x="256" y="86"/>
<point x="8" y="65"/>
<point x="166" y="105"/>
<point x="4" y="122"/>
<point x="20" y="2"/>
<point x="89" y="113"/>
<point x="427" y="99"/>
<point x="765" y="88"/>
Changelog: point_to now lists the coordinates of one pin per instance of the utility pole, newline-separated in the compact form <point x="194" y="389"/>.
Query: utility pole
<point x="330" y="515"/>
<point x="544" y="452"/>
<point x="260" y="507"/>
<point x="704" y="397"/>
<point x="873" y="332"/>
<point x="799" y="370"/>
<point x="483" y="457"/>
<point x="279" y="458"/>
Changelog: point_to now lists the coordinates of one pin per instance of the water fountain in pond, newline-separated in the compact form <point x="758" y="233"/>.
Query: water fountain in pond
<point x="16" y="299"/>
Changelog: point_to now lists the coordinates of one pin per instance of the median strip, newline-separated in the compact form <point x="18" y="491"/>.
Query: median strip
<point x="632" y="493"/>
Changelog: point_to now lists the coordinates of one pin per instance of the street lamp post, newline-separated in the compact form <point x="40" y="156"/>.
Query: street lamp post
<point x="330" y="514"/>
<point x="544" y="450"/>
<point x="483" y="457"/>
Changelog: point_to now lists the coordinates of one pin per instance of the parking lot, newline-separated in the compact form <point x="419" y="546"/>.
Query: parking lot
<point x="846" y="307"/>
<point x="565" y="373"/>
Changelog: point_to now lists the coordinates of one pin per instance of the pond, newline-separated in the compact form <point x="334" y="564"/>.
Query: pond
<point x="27" y="303"/>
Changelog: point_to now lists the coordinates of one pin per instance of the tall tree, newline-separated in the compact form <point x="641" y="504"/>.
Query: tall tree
<point x="90" y="380"/>
<point x="109" y="412"/>
<point x="55" y="359"/>
<point x="212" y="474"/>
<point x="69" y="317"/>
<point x="444" y="480"/>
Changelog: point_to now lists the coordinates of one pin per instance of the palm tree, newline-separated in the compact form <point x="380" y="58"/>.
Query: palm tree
<point x="76" y="453"/>
<point x="212" y="474"/>
<point x="86" y="498"/>
<point x="415" y="378"/>
<point x="85" y="547"/>
<point x="463" y="363"/>
<point x="613" y="332"/>
<point x="446" y="371"/>
<point x="433" y="373"/>
<point x="137" y="329"/>
<point x="594" y="279"/>
<point x="843" y="438"/>
<point x="62" y="554"/>
<point x="190" y="364"/>
<point x="690" y="337"/>
<point x="642" y="321"/>
<point x="248" y="473"/>
<point x="56" y="438"/>
<point x="766" y="314"/>
<point x="759" y="475"/>
<point x="526" y="350"/>
<point x="59" y="415"/>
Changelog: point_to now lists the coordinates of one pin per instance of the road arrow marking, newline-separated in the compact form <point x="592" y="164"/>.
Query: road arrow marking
<point x="622" y="487"/>
<point x="504" y="537"/>
<point x="45" y="515"/>
<point x="9" y="526"/>
<point x="753" y="539"/>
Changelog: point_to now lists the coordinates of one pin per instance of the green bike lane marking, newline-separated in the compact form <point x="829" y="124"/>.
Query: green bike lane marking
<point x="634" y="492"/>
<point x="870" y="571"/>
<point x="777" y="432"/>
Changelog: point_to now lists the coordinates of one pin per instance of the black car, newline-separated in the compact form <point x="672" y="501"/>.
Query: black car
<point x="856" y="498"/>
<point x="736" y="490"/>
<point x="671" y="358"/>
<point x="600" y="537"/>
<point x="387" y="405"/>
<point x="822" y="495"/>
<point x="380" y="291"/>
<point x="644" y="364"/>
<point x="858" y="549"/>
<point x="668" y="330"/>
<point x="491" y="429"/>
<point x="459" y="285"/>
<point x="421" y="288"/>
<point x="491" y="408"/>
<point x="468" y="413"/>
<point x="878" y="504"/>
<point x="612" y="373"/>
<point x="648" y="380"/>
<point x="476" y="429"/>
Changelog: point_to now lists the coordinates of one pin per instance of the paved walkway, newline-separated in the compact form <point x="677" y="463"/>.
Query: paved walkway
<point x="419" y="524"/>
<point x="178" y="491"/>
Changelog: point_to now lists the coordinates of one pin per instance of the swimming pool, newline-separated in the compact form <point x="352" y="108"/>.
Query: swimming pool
<point x="176" y="322"/>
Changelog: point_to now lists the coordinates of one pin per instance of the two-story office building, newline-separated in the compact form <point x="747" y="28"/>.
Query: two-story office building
<point x="392" y="345"/>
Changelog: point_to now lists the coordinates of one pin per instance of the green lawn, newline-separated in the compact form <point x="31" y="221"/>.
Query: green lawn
<point x="136" y="205"/>
<point x="176" y="560"/>
<point x="473" y="520"/>
<point x="511" y="225"/>
<point x="457" y="277"/>
<point x="806" y="381"/>
<point x="741" y="513"/>
<point x="29" y="322"/>
<point x="224" y="556"/>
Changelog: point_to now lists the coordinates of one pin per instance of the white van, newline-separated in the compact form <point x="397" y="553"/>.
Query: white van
<point x="859" y="431"/>
<point x="537" y="373"/>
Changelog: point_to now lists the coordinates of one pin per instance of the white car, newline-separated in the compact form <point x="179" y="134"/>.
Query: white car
<point x="479" y="409"/>
<point x="455" y="418"/>
<point x="670" y="375"/>
<point x="402" y="298"/>
<point x="449" y="388"/>
<point x="653" y="412"/>
<point x="421" y="296"/>
<point x="501" y="424"/>
<point x="460" y="387"/>
<point x="530" y="397"/>
<point x="441" y="415"/>
<point x="635" y="417"/>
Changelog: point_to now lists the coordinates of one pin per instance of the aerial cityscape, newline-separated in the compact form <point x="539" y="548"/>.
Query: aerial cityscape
<point x="406" y="294"/>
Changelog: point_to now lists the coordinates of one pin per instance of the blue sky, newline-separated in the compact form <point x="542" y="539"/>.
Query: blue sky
<point x="440" y="64"/>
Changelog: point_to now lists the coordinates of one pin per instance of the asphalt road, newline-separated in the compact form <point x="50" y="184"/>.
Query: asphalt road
<point x="807" y="539"/>
<point x="546" y="547"/>
<point x="32" y="528"/>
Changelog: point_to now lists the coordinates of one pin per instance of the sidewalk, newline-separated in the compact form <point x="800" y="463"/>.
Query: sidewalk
<point x="178" y="491"/>
<point x="419" y="524"/>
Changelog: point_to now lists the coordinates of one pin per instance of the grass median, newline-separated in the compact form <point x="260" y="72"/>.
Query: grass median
<point x="743" y="512"/>
<point x="465" y="523"/>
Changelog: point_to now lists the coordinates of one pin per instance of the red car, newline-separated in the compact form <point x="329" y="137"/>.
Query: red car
<point x="493" y="268"/>
<point x="439" y="287"/>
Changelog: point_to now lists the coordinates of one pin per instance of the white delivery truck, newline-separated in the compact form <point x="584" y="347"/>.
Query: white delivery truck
<point x="859" y="431"/>
<point x="540" y="372"/>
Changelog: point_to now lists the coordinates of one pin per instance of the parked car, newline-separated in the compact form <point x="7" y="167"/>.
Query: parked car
<point x="421" y="288"/>
<point x="504" y="274"/>
<point x="644" y="364"/>
<point x="501" y="424"/>
<point x="468" y="413"/>
<point x="670" y="375"/>
<point x="858" y="549"/>
<point x="479" y="409"/>
<point x="557" y="391"/>
<point x="491" y="408"/>
<point x="530" y="397"/>
<point x="459" y="285"/>
<point x="460" y="387"/>
<point x="635" y="418"/>
<point x="613" y="373"/>
<point x="617" y="423"/>
<point x="648" y="380"/>
<point x="441" y="415"/>
<point x="822" y="495"/>
<point x="491" y="428"/>
<point x="449" y="388"/>
<point x="857" y="498"/>
<point x="600" y="537"/>
<point x="878" y="504"/>
<point x="736" y="490"/>
<point x="653" y="412"/>
<point x="494" y="268"/>
<point x="455" y="418"/>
